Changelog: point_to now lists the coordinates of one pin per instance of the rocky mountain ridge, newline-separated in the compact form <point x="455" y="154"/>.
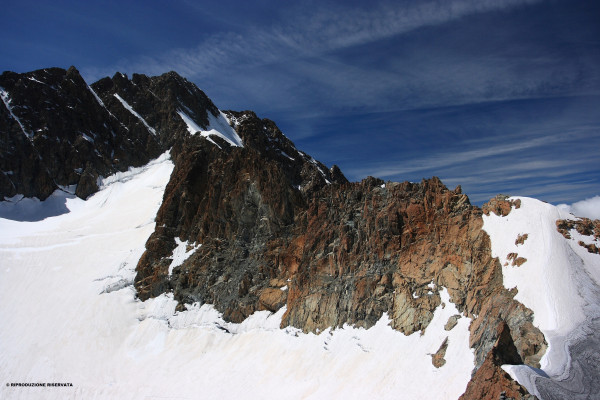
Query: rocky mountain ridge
<point x="264" y="225"/>
<point x="58" y="132"/>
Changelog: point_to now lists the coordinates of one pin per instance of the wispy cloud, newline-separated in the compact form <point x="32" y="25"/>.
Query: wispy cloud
<point x="527" y="170"/>
<point x="330" y="28"/>
<point x="547" y="180"/>
<point x="552" y="192"/>
<point x="334" y="58"/>
<point x="464" y="153"/>
<point x="553" y="165"/>
<point x="455" y="71"/>
<point x="304" y="43"/>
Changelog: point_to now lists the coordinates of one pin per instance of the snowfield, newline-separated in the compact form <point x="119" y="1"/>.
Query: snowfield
<point x="69" y="315"/>
<point x="560" y="283"/>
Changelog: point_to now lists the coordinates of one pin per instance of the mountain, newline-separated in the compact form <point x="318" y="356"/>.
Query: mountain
<point x="59" y="132"/>
<point x="400" y="286"/>
<point x="56" y="133"/>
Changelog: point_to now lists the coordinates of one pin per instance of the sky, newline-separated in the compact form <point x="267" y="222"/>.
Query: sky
<point x="497" y="96"/>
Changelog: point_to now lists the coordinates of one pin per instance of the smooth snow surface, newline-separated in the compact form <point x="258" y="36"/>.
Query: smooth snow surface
<point x="69" y="315"/>
<point x="560" y="283"/>
<point x="135" y="114"/>
<point x="218" y="126"/>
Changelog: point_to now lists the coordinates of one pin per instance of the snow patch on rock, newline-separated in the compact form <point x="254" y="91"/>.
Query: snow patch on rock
<point x="138" y="116"/>
<point x="6" y="100"/>
<point x="217" y="126"/>
<point x="181" y="253"/>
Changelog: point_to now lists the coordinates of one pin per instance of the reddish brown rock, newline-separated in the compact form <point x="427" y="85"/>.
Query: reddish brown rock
<point x="564" y="226"/>
<point x="348" y="252"/>
<point x="272" y="299"/>
<point x="500" y="205"/>
<point x="437" y="359"/>
<point x="521" y="239"/>
<point x="452" y="321"/>
<point x="516" y="260"/>
<point x="583" y="226"/>
<point x="491" y="381"/>
<point x="592" y="248"/>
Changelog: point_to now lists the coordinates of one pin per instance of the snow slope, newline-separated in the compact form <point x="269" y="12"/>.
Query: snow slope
<point x="69" y="315"/>
<point x="560" y="283"/>
<point x="217" y="126"/>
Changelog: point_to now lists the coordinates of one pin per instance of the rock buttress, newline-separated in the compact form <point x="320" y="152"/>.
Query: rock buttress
<point x="269" y="216"/>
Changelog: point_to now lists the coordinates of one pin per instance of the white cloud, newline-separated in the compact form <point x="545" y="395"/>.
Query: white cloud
<point x="589" y="208"/>
<point x="467" y="153"/>
<point x="330" y="28"/>
<point x="320" y="55"/>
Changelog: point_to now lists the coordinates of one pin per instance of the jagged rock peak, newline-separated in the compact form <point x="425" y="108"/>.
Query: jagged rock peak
<point x="168" y="103"/>
<point x="263" y="135"/>
<point x="54" y="127"/>
<point x="58" y="132"/>
<point x="265" y="224"/>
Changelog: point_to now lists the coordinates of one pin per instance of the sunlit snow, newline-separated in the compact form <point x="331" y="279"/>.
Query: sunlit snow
<point x="69" y="314"/>
<point x="181" y="253"/>
<point x="559" y="281"/>
<point x="217" y="126"/>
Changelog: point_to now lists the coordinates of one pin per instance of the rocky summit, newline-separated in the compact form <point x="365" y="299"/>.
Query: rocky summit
<point x="264" y="225"/>
<point x="57" y="132"/>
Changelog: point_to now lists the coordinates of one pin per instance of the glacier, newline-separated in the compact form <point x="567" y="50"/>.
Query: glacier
<point x="70" y="315"/>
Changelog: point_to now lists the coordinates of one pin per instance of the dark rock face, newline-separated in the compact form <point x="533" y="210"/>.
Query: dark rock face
<point x="158" y="100"/>
<point x="234" y="201"/>
<point x="56" y="131"/>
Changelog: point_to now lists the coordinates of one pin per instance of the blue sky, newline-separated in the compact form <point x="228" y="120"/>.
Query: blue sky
<point x="498" y="96"/>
